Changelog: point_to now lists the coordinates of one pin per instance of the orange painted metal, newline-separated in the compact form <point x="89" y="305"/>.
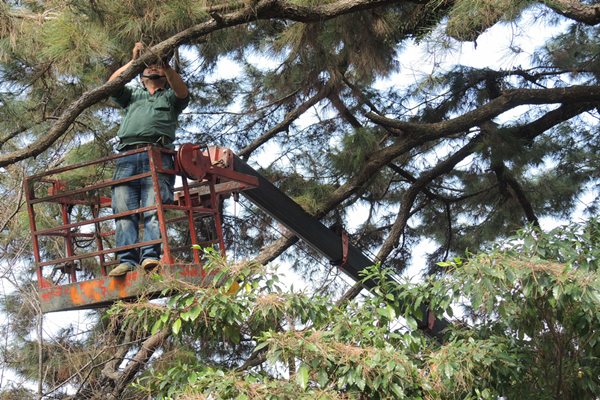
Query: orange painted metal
<point x="103" y="291"/>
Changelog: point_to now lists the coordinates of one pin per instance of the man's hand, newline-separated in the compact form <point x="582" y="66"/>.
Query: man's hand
<point x="137" y="49"/>
<point x="165" y="62"/>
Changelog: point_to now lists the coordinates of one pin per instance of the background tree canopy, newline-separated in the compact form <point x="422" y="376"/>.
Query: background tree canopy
<point x="437" y="161"/>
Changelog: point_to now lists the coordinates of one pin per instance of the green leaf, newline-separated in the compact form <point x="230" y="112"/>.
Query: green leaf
<point x="502" y="309"/>
<point x="488" y="284"/>
<point x="194" y="312"/>
<point x="593" y="294"/>
<point x="156" y="327"/>
<point x="397" y="390"/>
<point x="412" y="323"/>
<point x="176" y="326"/>
<point x="448" y="370"/>
<point x="310" y="346"/>
<point x="391" y="365"/>
<point x="377" y="381"/>
<point x="418" y="313"/>
<point x="391" y="312"/>
<point x="232" y="333"/>
<point x="302" y="376"/>
<point x="360" y="382"/>
<point x="322" y="377"/>
<point x="192" y="378"/>
<point x="383" y="312"/>
<point x="260" y="346"/>
<point x="556" y="292"/>
<point x="173" y="300"/>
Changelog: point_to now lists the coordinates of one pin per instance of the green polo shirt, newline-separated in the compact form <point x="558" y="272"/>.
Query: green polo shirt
<point x="147" y="117"/>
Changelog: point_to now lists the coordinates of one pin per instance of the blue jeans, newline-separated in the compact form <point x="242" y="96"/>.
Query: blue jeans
<point x="127" y="196"/>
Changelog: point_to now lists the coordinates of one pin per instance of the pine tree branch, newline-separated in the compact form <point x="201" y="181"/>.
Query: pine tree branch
<point x="18" y="204"/>
<point x="300" y="13"/>
<point x="285" y="124"/>
<point x="552" y="118"/>
<point x="360" y="95"/>
<point x="363" y="98"/>
<point x="12" y="135"/>
<point x="110" y="369"/>
<point x="90" y="364"/>
<point x="375" y="162"/>
<point x="411" y="193"/>
<point x="40" y="17"/>
<point x="339" y="104"/>
<point x="350" y="294"/>
<point x="508" y="100"/>
<point x="275" y="249"/>
<point x="412" y="179"/>
<point x="576" y="10"/>
<point x="433" y="195"/>
<point x="449" y="232"/>
<point x="276" y="102"/>
<point x="527" y="131"/>
<point x="419" y="134"/>
<point x="149" y="346"/>
<point x="507" y="180"/>
<point x="256" y="358"/>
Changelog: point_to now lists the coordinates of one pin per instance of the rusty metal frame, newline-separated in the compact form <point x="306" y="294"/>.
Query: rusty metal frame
<point x="220" y="179"/>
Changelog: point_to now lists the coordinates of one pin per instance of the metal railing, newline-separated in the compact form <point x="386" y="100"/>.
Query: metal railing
<point x="205" y="176"/>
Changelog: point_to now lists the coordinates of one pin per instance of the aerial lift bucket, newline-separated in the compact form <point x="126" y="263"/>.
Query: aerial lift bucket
<point x="206" y="177"/>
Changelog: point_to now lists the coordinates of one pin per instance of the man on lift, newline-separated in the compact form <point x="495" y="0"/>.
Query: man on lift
<point x="150" y="118"/>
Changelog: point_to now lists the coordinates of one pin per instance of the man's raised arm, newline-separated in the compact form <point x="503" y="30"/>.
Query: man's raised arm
<point x="136" y="54"/>
<point x="176" y="82"/>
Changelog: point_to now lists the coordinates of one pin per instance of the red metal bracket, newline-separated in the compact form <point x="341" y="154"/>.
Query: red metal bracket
<point x="428" y="326"/>
<point x="340" y="263"/>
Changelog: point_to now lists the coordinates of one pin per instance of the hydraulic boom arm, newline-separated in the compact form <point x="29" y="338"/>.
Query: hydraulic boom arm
<point x="290" y="214"/>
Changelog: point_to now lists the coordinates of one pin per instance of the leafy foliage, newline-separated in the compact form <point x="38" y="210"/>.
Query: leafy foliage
<point x="530" y="304"/>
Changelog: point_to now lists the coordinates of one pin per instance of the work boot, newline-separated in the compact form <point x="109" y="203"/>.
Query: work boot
<point x="150" y="263"/>
<point x="121" y="270"/>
